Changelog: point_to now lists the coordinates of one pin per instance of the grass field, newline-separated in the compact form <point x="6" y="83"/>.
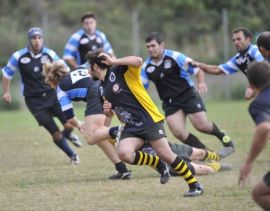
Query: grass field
<point x="35" y="175"/>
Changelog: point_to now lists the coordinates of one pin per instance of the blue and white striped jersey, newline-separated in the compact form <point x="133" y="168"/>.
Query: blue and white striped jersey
<point x="74" y="87"/>
<point x="241" y="60"/>
<point x="80" y="43"/>
<point x="171" y="75"/>
<point x="30" y="67"/>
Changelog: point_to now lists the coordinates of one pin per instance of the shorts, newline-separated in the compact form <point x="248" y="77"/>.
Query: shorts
<point x="190" y="102"/>
<point x="182" y="150"/>
<point x="150" y="133"/>
<point x="266" y="178"/>
<point x="44" y="108"/>
<point x="94" y="105"/>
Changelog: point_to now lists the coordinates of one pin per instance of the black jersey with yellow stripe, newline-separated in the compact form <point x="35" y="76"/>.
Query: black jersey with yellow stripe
<point x="134" y="107"/>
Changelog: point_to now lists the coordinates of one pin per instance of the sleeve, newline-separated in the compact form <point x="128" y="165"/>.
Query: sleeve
<point x="259" y="113"/>
<point x="230" y="67"/>
<point x="255" y="53"/>
<point x="182" y="61"/>
<point x="144" y="76"/>
<point x="12" y="66"/>
<point x="107" y="47"/>
<point x="65" y="103"/>
<point x="71" y="47"/>
<point x="54" y="56"/>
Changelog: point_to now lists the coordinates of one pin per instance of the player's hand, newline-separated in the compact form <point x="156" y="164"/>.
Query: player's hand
<point x="244" y="173"/>
<point x="7" y="97"/>
<point x="193" y="63"/>
<point x="202" y="88"/>
<point x="107" y="59"/>
<point x="107" y="107"/>
<point x="249" y="93"/>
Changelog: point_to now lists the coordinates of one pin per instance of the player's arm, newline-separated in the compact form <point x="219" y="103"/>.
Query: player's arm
<point x="8" y="71"/>
<point x="260" y="137"/>
<point x="71" y="63"/>
<point x="201" y="85"/>
<point x="76" y="123"/>
<point x="133" y="61"/>
<point x="210" y="69"/>
<point x="71" y="50"/>
<point x="6" y="93"/>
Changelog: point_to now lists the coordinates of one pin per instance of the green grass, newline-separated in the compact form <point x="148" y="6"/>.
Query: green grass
<point x="35" y="175"/>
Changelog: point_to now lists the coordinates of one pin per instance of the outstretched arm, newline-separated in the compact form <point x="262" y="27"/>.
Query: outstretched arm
<point x="261" y="135"/>
<point x="129" y="60"/>
<point x="210" y="69"/>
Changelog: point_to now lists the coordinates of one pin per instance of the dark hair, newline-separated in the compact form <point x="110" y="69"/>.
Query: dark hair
<point x="154" y="36"/>
<point x="88" y="15"/>
<point x="93" y="58"/>
<point x="245" y="31"/>
<point x="263" y="40"/>
<point x="258" y="74"/>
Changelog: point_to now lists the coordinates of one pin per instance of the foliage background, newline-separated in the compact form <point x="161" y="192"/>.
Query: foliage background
<point x="194" y="27"/>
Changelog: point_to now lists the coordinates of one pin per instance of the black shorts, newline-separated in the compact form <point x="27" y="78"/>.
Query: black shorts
<point x="94" y="105"/>
<point x="150" y="133"/>
<point x="182" y="150"/>
<point x="190" y="102"/>
<point x="44" y="108"/>
<point x="266" y="178"/>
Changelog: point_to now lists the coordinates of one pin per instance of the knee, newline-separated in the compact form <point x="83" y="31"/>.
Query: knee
<point x="127" y="157"/>
<point x="57" y="136"/>
<point x="90" y="140"/>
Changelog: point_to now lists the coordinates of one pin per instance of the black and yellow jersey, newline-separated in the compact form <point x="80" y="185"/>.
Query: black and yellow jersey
<point x="134" y="107"/>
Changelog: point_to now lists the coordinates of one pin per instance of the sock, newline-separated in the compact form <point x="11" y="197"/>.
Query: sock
<point x="180" y="166"/>
<point x="121" y="167"/>
<point x="221" y="136"/>
<point x="211" y="156"/>
<point x="66" y="133"/>
<point x="194" y="142"/>
<point x="62" y="144"/>
<point x="214" y="165"/>
<point x="143" y="158"/>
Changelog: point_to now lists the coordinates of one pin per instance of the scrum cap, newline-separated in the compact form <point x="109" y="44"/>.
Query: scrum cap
<point x="35" y="31"/>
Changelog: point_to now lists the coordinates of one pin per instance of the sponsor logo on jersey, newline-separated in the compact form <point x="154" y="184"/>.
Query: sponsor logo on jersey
<point x="36" y="68"/>
<point x="84" y="41"/>
<point x="112" y="77"/>
<point x="150" y="69"/>
<point x="44" y="59"/>
<point x="101" y="91"/>
<point x="94" y="47"/>
<point x="160" y="132"/>
<point x="167" y="64"/>
<point x="162" y="75"/>
<point x="99" y="40"/>
<point x="25" y="60"/>
<point x="116" y="88"/>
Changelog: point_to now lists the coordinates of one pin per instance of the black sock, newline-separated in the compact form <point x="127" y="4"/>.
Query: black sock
<point x="62" y="144"/>
<point x="66" y="133"/>
<point x="121" y="167"/>
<point x="220" y="135"/>
<point x="194" y="142"/>
<point x="216" y="132"/>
